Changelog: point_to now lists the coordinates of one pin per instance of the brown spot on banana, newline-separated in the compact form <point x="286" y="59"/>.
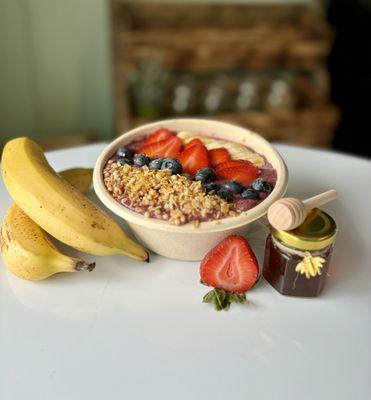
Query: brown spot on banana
<point x="97" y="225"/>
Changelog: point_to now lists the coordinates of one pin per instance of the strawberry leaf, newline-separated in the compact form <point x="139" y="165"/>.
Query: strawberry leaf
<point x="221" y="299"/>
<point x="209" y="297"/>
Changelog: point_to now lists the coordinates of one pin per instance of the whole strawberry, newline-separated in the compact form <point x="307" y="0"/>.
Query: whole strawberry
<point x="232" y="269"/>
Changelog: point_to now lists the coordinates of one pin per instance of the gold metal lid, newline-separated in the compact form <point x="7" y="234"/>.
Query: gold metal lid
<point x="316" y="232"/>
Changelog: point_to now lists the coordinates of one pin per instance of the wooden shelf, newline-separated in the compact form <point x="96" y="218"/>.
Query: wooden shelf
<point x="204" y="37"/>
<point x="208" y="39"/>
<point x="209" y="50"/>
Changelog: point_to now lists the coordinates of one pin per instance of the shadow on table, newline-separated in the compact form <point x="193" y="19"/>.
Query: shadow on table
<point x="348" y="272"/>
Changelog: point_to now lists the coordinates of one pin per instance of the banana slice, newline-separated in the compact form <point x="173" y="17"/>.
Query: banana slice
<point x="236" y="150"/>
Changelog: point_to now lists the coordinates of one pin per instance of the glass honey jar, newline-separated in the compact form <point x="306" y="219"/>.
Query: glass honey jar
<point x="296" y="262"/>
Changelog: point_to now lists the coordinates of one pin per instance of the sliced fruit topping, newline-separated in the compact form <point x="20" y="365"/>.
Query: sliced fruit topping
<point x="164" y="148"/>
<point x="233" y="163"/>
<point x="161" y="134"/>
<point x="243" y="174"/>
<point x="205" y="175"/>
<point x="232" y="269"/>
<point x="194" y="158"/>
<point x="192" y="143"/>
<point x="236" y="150"/>
<point x="217" y="156"/>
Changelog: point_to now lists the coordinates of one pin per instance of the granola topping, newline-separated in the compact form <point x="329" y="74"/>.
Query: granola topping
<point x="158" y="194"/>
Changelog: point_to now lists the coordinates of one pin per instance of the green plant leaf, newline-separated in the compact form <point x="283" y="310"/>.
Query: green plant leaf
<point x="221" y="299"/>
<point x="209" y="296"/>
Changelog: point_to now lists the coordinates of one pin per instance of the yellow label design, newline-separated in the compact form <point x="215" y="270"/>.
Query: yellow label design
<point x="310" y="265"/>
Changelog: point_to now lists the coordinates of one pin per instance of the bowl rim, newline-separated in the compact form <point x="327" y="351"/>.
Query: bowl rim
<point x="206" y="226"/>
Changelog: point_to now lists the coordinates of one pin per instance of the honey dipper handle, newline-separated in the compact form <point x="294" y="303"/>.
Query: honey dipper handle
<point x="320" y="199"/>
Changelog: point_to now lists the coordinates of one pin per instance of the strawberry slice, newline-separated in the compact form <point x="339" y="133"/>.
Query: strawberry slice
<point x="232" y="163"/>
<point x="232" y="269"/>
<point x="242" y="174"/>
<point x="194" y="158"/>
<point x="164" y="148"/>
<point x="242" y="171"/>
<point x="192" y="143"/>
<point x="218" y="156"/>
<point x="160" y="134"/>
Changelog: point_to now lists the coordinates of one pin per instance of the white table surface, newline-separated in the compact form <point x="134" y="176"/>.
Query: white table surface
<point x="131" y="330"/>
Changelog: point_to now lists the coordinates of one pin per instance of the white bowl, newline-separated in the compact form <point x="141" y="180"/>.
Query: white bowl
<point x="186" y="242"/>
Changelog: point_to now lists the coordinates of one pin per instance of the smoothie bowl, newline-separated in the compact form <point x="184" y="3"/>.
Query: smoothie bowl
<point x="183" y="185"/>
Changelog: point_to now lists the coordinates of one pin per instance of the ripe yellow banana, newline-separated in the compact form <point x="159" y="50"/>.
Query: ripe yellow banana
<point x="27" y="250"/>
<point x="80" y="178"/>
<point x="58" y="207"/>
<point x="237" y="151"/>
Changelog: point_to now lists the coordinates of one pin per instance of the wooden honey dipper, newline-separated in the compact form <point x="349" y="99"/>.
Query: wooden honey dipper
<point x="289" y="213"/>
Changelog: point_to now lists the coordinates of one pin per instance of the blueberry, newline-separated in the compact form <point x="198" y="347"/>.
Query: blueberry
<point x="156" y="163"/>
<point x="125" y="152"/>
<point x="211" y="186"/>
<point x="250" y="194"/>
<point x="140" y="160"/>
<point x="205" y="175"/>
<point x="261" y="186"/>
<point x="233" y="187"/>
<point x="173" y="164"/>
<point x="225" y="194"/>
<point x="124" y="160"/>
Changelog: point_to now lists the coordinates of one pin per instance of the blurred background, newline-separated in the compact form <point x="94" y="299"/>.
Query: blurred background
<point x="79" y="71"/>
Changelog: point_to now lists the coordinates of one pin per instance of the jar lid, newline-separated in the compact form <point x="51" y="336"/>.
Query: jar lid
<point x="316" y="232"/>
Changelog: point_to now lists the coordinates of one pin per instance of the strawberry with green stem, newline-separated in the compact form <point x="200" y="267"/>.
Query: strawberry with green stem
<point x="232" y="269"/>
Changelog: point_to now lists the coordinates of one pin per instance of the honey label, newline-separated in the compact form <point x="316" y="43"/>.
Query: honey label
<point x="310" y="265"/>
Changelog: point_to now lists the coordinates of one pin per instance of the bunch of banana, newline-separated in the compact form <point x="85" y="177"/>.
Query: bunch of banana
<point x="58" y="207"/>
<point x="27" y="250"/>
<point x="237" y="151"/>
